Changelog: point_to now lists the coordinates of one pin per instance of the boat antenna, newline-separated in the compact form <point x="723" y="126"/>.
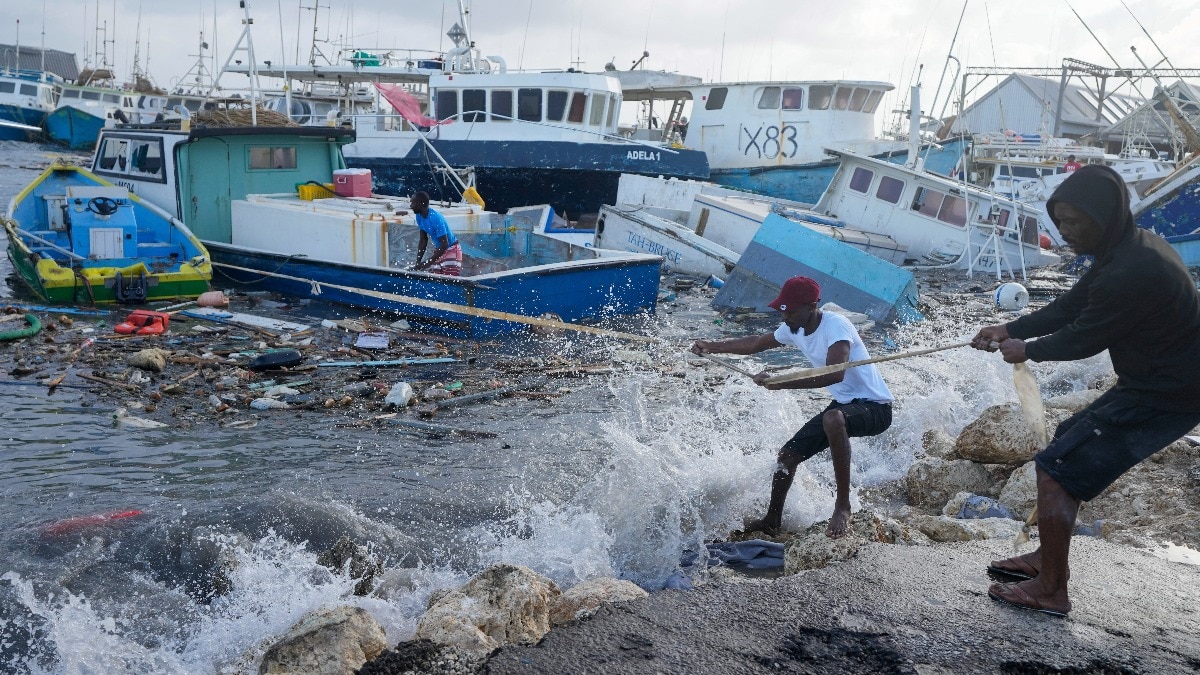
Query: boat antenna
<point x="43" y="68"/>
<point x="287" y="84"/>
<point x="949" y="56"/>
<point x="525" y="39"/>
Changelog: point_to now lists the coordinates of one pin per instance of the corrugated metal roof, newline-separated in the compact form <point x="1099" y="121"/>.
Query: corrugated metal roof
<point x="1030" y="103"/>
<point x="1152" y="120"/>
<point x="1079" y="103"/>
<point x="58" y="62"/>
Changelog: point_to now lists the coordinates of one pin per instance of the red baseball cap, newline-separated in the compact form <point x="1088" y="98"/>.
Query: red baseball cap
<point x="795" y="292"/>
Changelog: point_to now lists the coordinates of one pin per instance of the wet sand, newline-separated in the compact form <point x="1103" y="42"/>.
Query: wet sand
<point x="893" y="609"/>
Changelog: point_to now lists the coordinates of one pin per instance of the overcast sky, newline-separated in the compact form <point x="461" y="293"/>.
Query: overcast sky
<point x="719" y="40"/>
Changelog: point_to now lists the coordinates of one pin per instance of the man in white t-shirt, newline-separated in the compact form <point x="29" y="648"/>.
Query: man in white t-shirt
<point x="862" y="404"/>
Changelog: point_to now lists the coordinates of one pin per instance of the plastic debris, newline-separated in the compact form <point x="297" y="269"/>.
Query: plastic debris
<point x="268" y="404"/>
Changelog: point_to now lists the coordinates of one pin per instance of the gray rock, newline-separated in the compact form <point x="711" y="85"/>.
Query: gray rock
<point x="332" y="641"/>
<point x="931" y="482"/>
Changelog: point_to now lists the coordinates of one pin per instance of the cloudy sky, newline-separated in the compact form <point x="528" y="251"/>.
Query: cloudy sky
<point x="719" y="40"/>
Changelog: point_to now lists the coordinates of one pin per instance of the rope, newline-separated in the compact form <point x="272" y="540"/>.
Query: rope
<point x="449" y="307"/>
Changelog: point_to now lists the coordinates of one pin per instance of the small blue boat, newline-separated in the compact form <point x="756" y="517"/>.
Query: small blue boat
<point x="849" y="277"/>
<point x="75" y="128"/>
<point x="26" y="97"/>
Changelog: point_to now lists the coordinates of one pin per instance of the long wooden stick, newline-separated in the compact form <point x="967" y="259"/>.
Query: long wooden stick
<point x="722" y="362"/>
<point x="809" y="373"/>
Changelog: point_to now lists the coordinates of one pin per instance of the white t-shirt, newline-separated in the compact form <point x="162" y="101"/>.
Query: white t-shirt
<point x="860" y="381"/>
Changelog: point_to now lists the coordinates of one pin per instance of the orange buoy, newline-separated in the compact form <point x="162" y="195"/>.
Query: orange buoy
<point x="1044" y="241"/>
<point x="70" y="525"/>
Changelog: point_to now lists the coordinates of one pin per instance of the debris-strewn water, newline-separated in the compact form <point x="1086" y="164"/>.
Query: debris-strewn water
<point x="619" y="476"/>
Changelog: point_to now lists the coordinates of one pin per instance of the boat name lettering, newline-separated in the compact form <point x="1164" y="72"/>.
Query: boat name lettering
<point x="128" y="185"/>
<point x="776" y="141"/>
<point x="654" y="247"/>
<point x="644" y="154"/>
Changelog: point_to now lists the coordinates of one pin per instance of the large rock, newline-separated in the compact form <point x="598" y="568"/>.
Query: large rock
<point x="1002" y="436"/>
<point x="931" y="482"/>
<point x="1073" y="401"/>
<point x="347" y="557"/>
<point x="332" y="641"/>
<point x="502" y="605"/>
<point x="945" y="528"/>
<point x="1020" y="492"/>
<point x="584" y="599"/>
<point x="937" y="443"/>
<point x="813" y="549"/>
<point x="153" y="360"/>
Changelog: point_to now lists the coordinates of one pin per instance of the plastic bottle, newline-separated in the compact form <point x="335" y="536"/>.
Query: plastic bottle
<point x="400" y="395"/>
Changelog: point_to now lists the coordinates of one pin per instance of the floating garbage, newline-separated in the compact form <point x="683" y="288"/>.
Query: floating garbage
<point x="400" y="395"/>
<point x="268" y="404"/>
<point x="122" y="418"/>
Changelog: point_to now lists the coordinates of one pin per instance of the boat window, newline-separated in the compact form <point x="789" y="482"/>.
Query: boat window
<point x="1029" y="230"/>
<point x="146" y="158"/>
<point x="873" y="101"/>
<point x="1002" y="219"/>
<point x="612" y="112"/>
<point x="111" y="157"/>
<point x="274" y="157"/>
<point x="858" y="98"/>
<point x="819" y="96"/>
<point x="927" y="202"/>
<point x="89" y="95"/>
<point x="447" y="103"/>
<point x="578" y="103"/>
<point x="502" y="108"/>
<point x="793" y="99"/>
<point x="28" y="90"/>
<point x="597" y="116"/>
<point x="716" y="98"/>
<point x="48" y="96"/>
<point x="7" y="87"/>
<point x="172" y="102"/>
<point x="860" y="180"/>
<point x="890" y="189"/>
<point x="474" y="105"/>
<point x="953" y="211"/>
<point x="556" y="105"/>
<point x="111" y="98"/>
<point x="529" y="105"/>
<point x="769" y="99"/>
<point x="70" y="93"/>
<point x="841" y="100"/>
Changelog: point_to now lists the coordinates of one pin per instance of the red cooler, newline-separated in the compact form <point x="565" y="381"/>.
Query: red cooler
<point x="352" y="182"/>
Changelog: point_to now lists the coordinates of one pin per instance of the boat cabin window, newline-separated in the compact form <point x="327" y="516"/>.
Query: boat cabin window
<point x="146" y="158"/>
<point x="474" y="103"/>
<point x="841" y="100"/>
<point x="29" y="90"/>
<point x="819" y="96"/>
<point x="1029" y="230"/>
<point x="953" y="211"/>
<point x="263" y="157"/>
<point x="447" y="103"/>
<point x="89" y="95"/>
<point x="70" y="93"/>
<point x="793" y="99"/>
<point x="529" y="105"/>
<point x="578" y="103"/>
<point x="111" y="98"/>
<point x="769" y="99"/>
<point x="7" y="87"/>
<point x="872" y="101"/>
<point x="860" y="180"/>
<point x="716" y="98"/>
<point x="597" y="116"/>
<point x="502" y="105"/>
<point x="111" y="158"/>
<point x="858" y="98"/>
<point x="556" y="105"/>
<point x="890" y="189"/>
<point x="612" y="112"/>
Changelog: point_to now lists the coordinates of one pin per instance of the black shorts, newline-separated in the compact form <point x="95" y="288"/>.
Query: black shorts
<point x="1093" y="447"/>
<point x="863" y="418"/>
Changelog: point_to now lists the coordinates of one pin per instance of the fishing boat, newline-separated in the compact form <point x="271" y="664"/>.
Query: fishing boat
<point x="275" y="224"/>
<point x="93" y="102"/>
<point x="75" y="238"/>
<point x="1171" y="207"/>
<point x="26" y="97"/>
<point x="522" y="137"/>
<point x="770" y="137"/>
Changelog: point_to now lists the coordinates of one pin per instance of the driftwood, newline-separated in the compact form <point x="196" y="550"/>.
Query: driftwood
<point x="433" y="408"/>
<point x="439" y="428"/>
<point x="111" y="383"/>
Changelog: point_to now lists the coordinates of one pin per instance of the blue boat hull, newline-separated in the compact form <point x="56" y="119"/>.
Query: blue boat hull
<point x="808" y="182"/>
<point x="850" y="278"/>
<point x="1174" y="214"/>
<point x="582" y="293"/>
<point x="12" y="113"/>
<point x="75" y="128"/>
<point x="574" y="178"/>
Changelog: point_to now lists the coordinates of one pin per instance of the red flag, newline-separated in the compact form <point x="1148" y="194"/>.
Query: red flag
<point x="407" y="105"/>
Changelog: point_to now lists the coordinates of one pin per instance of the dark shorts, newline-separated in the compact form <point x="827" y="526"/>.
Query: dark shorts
<point x="1093" y="447"/>
<point x="863" y="418"/>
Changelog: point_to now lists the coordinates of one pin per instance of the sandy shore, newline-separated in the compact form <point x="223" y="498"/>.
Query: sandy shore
<point x="893" y="609"/>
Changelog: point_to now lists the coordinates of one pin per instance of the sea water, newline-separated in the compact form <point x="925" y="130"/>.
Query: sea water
<point x="621" y="476"/>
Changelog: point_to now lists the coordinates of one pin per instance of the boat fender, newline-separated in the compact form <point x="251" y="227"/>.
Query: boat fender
<point x="1012" y="296"/>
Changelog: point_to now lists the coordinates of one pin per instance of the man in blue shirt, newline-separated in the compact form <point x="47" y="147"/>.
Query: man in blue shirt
<point x="447" y="254"/>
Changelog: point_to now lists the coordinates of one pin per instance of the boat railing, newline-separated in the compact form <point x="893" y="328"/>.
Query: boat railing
<point x="583" y="130"/>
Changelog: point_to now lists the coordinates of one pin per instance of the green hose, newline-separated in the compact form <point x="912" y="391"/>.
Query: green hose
<point x="34" y="327"/>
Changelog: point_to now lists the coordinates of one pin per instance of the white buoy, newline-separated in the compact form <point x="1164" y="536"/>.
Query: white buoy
<point x="1012" y="296"/>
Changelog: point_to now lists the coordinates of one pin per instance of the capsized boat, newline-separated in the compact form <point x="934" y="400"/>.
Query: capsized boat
<point x="275" y="227"/>
<point x="75" y="238"/>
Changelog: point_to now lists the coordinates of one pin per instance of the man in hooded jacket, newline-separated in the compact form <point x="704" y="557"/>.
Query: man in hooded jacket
<point x="1137" y="301"/>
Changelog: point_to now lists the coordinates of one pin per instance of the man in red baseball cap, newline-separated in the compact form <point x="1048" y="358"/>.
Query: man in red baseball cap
<point x="861" y="406"/>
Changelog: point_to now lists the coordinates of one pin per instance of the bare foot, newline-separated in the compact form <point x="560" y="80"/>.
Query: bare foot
<point x="839" y="524"/>
<point x="761" y="525"/>
<point x="1018" y="567"/>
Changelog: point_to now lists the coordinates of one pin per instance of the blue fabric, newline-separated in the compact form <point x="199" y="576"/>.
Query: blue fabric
<point x="976" y="507"/>
<point x="754" y="554"/>
<point x="434" y="224"/>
